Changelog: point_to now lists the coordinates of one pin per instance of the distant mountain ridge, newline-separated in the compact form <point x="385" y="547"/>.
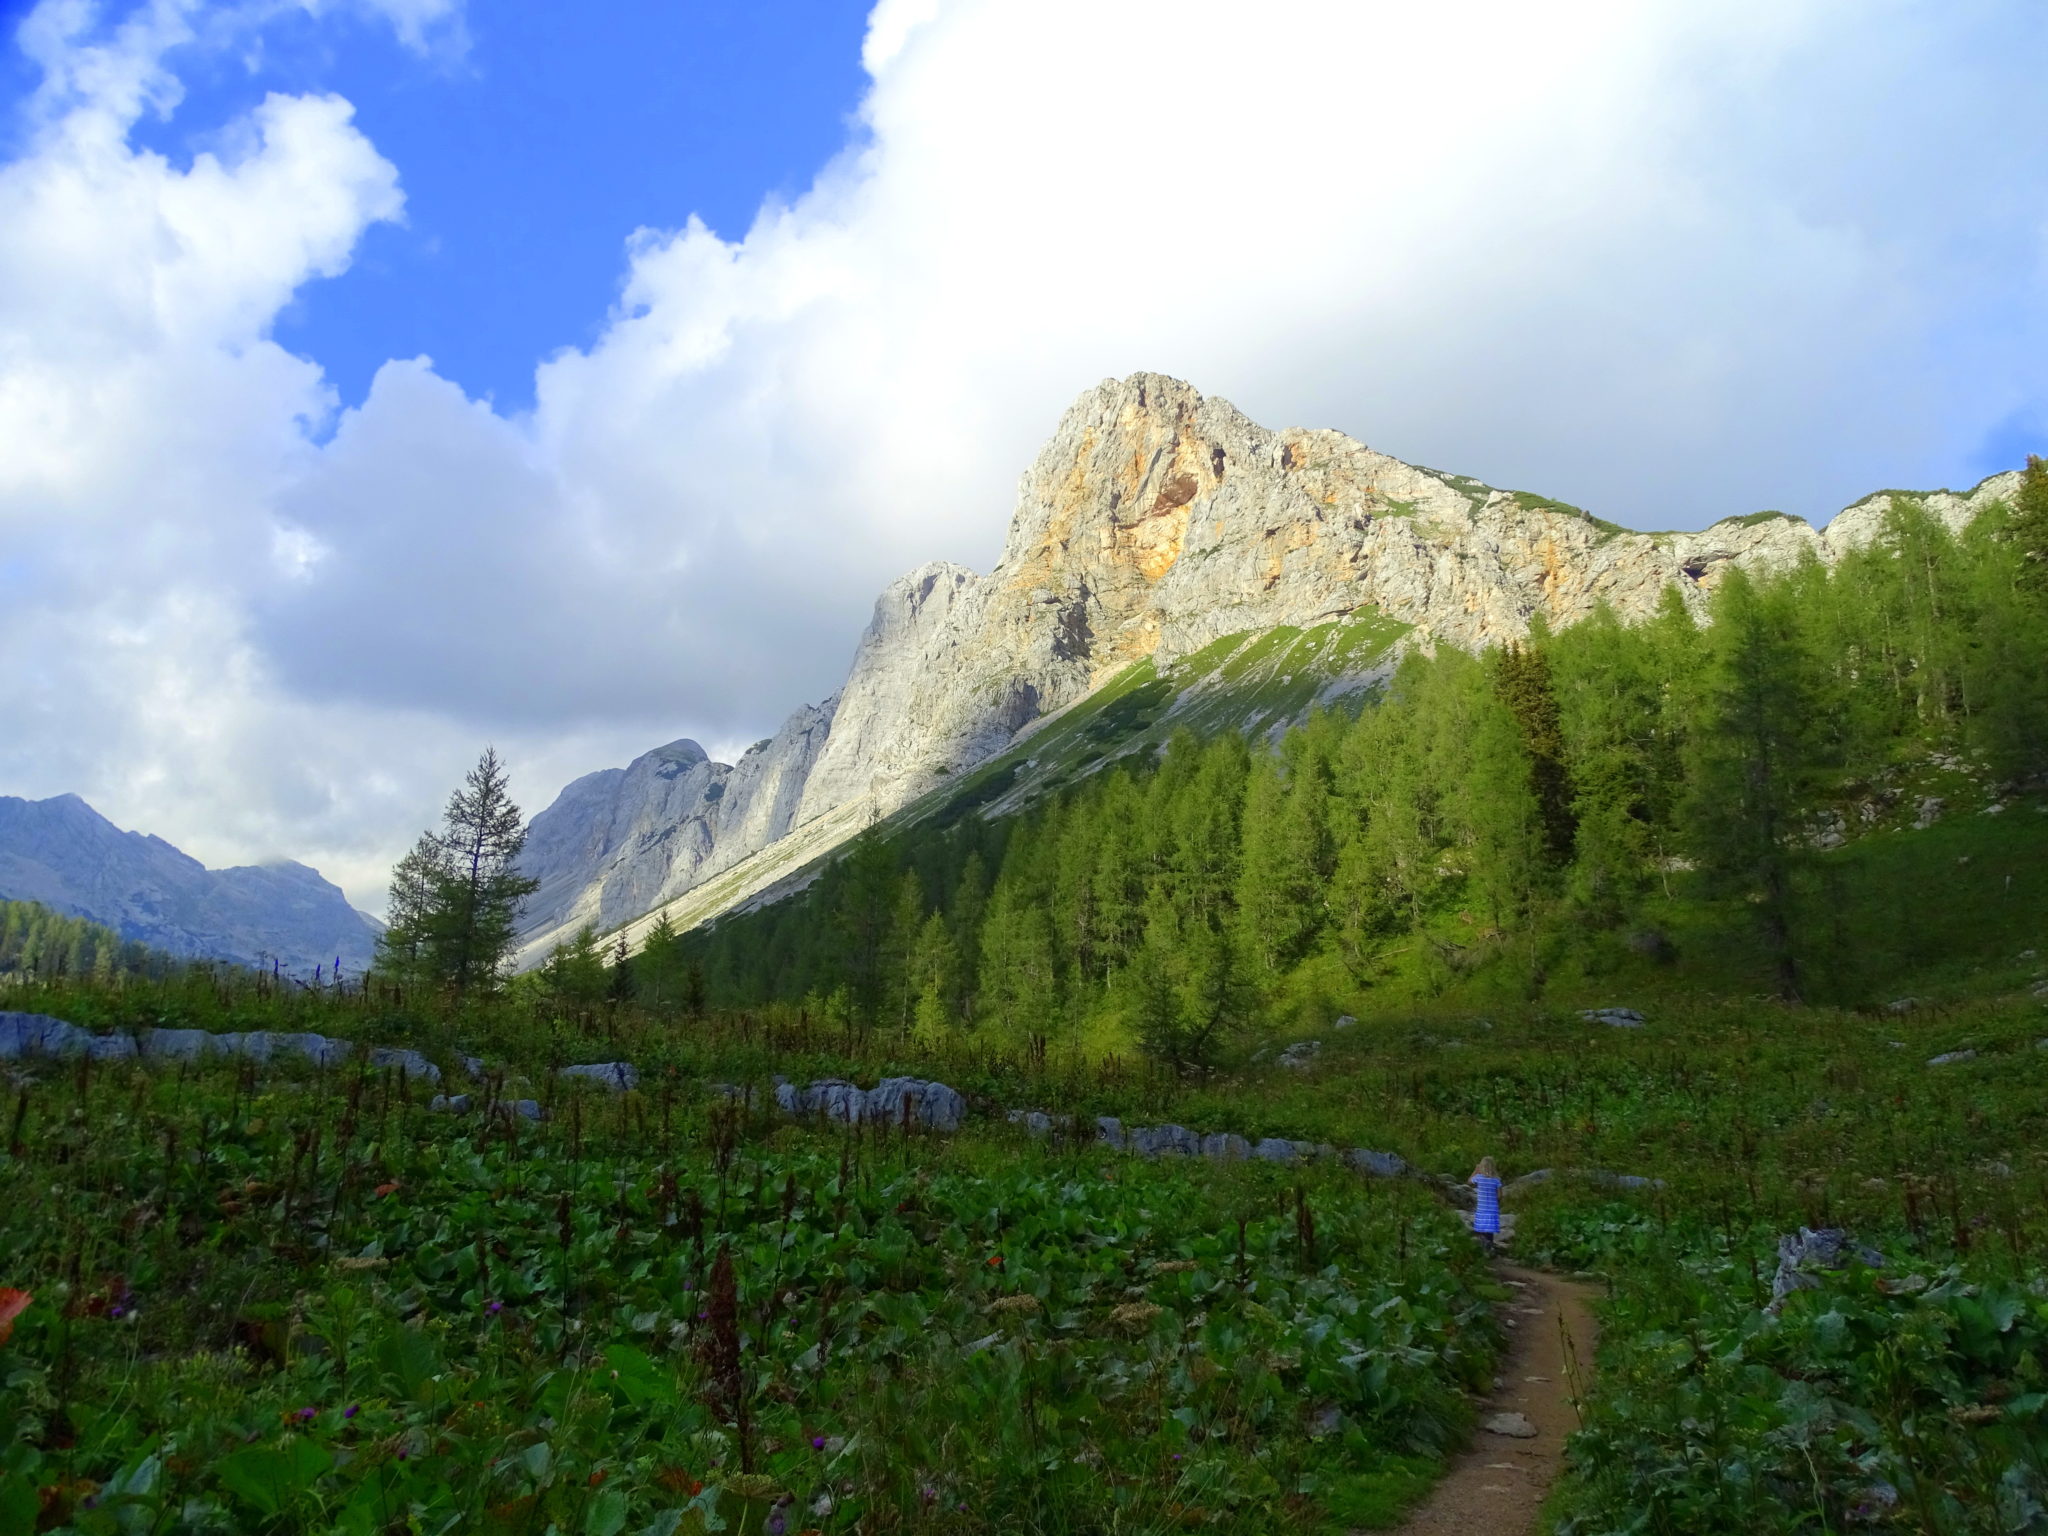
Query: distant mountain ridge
<point x="1169" y="561"/>
<point x="64" y="854"/>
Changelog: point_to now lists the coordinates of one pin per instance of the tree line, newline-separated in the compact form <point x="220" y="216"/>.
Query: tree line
<point x="38" y="944"/>
<point x="1498" y="810"/>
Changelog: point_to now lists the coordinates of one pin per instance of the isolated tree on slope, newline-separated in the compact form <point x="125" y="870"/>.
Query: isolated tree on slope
<point x="455" y="898"/>
<point x="481" y="835"/>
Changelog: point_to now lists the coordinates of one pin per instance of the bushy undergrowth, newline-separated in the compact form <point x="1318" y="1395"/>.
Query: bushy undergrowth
<point x="313" y="1305"/>
<point x="1905" y="1396"/>
<point x="268" y="1270"/>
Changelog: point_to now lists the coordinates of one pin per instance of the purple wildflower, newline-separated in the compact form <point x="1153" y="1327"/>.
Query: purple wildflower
<point x="350" y="1411"/>
<point x="817" y="1442"/>
<point x="495" y="1308"/>
<point x="305" y="1413"/>
<point x="116" y="1310"/>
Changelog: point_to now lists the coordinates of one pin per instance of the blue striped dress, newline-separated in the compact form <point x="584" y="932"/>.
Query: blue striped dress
<point x="1487" y="1217"/>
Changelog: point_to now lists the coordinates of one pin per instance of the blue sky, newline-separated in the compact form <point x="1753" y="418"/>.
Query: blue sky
<point x="737" y="311"/>
<point x="529" y="156"/>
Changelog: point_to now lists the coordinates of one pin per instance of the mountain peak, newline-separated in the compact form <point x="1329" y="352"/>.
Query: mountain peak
<point x="1155" y="524"/>
<point x="65" y="854"/>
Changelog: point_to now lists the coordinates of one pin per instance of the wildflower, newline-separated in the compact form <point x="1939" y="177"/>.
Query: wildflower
<point x="305" y="1413"/>
<point x="387" y="1189"/>
<point x="12" y="1304"/>
<point x="350" y="1411"/>
<point x="116" y="1310"/>
<point x="817" y="1442"/>
<point x="995" y="1261"/>
<point x="495" y="1308"/>
<point x="600" y="1474"/>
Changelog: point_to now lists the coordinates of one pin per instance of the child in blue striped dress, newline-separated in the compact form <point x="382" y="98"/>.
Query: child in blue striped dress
<point x="1486" y="1215"/>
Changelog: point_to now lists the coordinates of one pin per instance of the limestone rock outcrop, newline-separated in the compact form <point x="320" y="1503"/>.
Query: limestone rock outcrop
<point x="1154" y="522"/>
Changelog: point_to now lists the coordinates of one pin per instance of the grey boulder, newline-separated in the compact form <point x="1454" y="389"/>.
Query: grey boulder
<point x="619" y="1076"/>
<point x="178" y="1044"/>
<point x="1165" y="1141"/>
<point x="1613" y="1018"/>
<point x="411" y="1063"/>
<point x="1802" y="1253"/>
<point x="934" y="1106"/>
<point x="1226" y="1147"/>
<point x="1381" y="1165"/>
<point x="37" y="1034"/>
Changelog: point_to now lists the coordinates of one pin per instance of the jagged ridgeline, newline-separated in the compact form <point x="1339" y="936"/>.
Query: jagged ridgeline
<point x="1171" y="566"/>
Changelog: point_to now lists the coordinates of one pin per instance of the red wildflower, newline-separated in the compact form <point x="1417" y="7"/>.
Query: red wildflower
<point x="387" y="1189"/>
<point x="995" y="1261"/>
<point x="12" y="1304"/>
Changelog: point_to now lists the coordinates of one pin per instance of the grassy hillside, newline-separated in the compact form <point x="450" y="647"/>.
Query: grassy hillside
<point x="1254" y="684"/>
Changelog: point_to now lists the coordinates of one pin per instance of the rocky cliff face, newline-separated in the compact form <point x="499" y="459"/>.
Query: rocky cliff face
<point x="64" y="854"/>
<point x="1155" y="522"/>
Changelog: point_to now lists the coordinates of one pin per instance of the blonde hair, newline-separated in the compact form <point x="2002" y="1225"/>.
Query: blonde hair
<point x="1485" y="1170"/>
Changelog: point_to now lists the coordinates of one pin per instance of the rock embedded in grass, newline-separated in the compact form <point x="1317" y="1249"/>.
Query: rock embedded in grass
<point x="1381" y="1165"/>
<point x="1951" y="1058"/>
<point x="619" y="1076"/>
<point x="1613" y="1018"/>
<point x="1164" y="1141"/>
<point x="1300" y="1055"/>
<point x="1802" y="1252"/>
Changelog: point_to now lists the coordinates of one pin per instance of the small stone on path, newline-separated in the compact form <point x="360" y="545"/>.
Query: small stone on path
<point x="1514" y="1425"/>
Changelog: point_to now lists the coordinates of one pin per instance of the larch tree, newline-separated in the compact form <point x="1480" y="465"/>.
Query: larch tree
<point x="1751" y="768"/>
<point x="456" y="897"/>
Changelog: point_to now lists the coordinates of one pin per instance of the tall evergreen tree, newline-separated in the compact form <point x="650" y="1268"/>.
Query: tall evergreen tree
<point x="1751" y="777"/>
<point x="2027" y="527"/>
<point x="482" y="891"/>
<point x="1522" y="682"/>
<point x="455" y="898"/>
<point x="660" y="965"/>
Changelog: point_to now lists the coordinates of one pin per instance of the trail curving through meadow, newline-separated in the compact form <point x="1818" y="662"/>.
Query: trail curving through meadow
<point x="1497" y="1486"/>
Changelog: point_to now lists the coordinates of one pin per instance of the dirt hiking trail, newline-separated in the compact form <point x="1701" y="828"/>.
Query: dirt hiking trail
<point x="1497" y="1486"/>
